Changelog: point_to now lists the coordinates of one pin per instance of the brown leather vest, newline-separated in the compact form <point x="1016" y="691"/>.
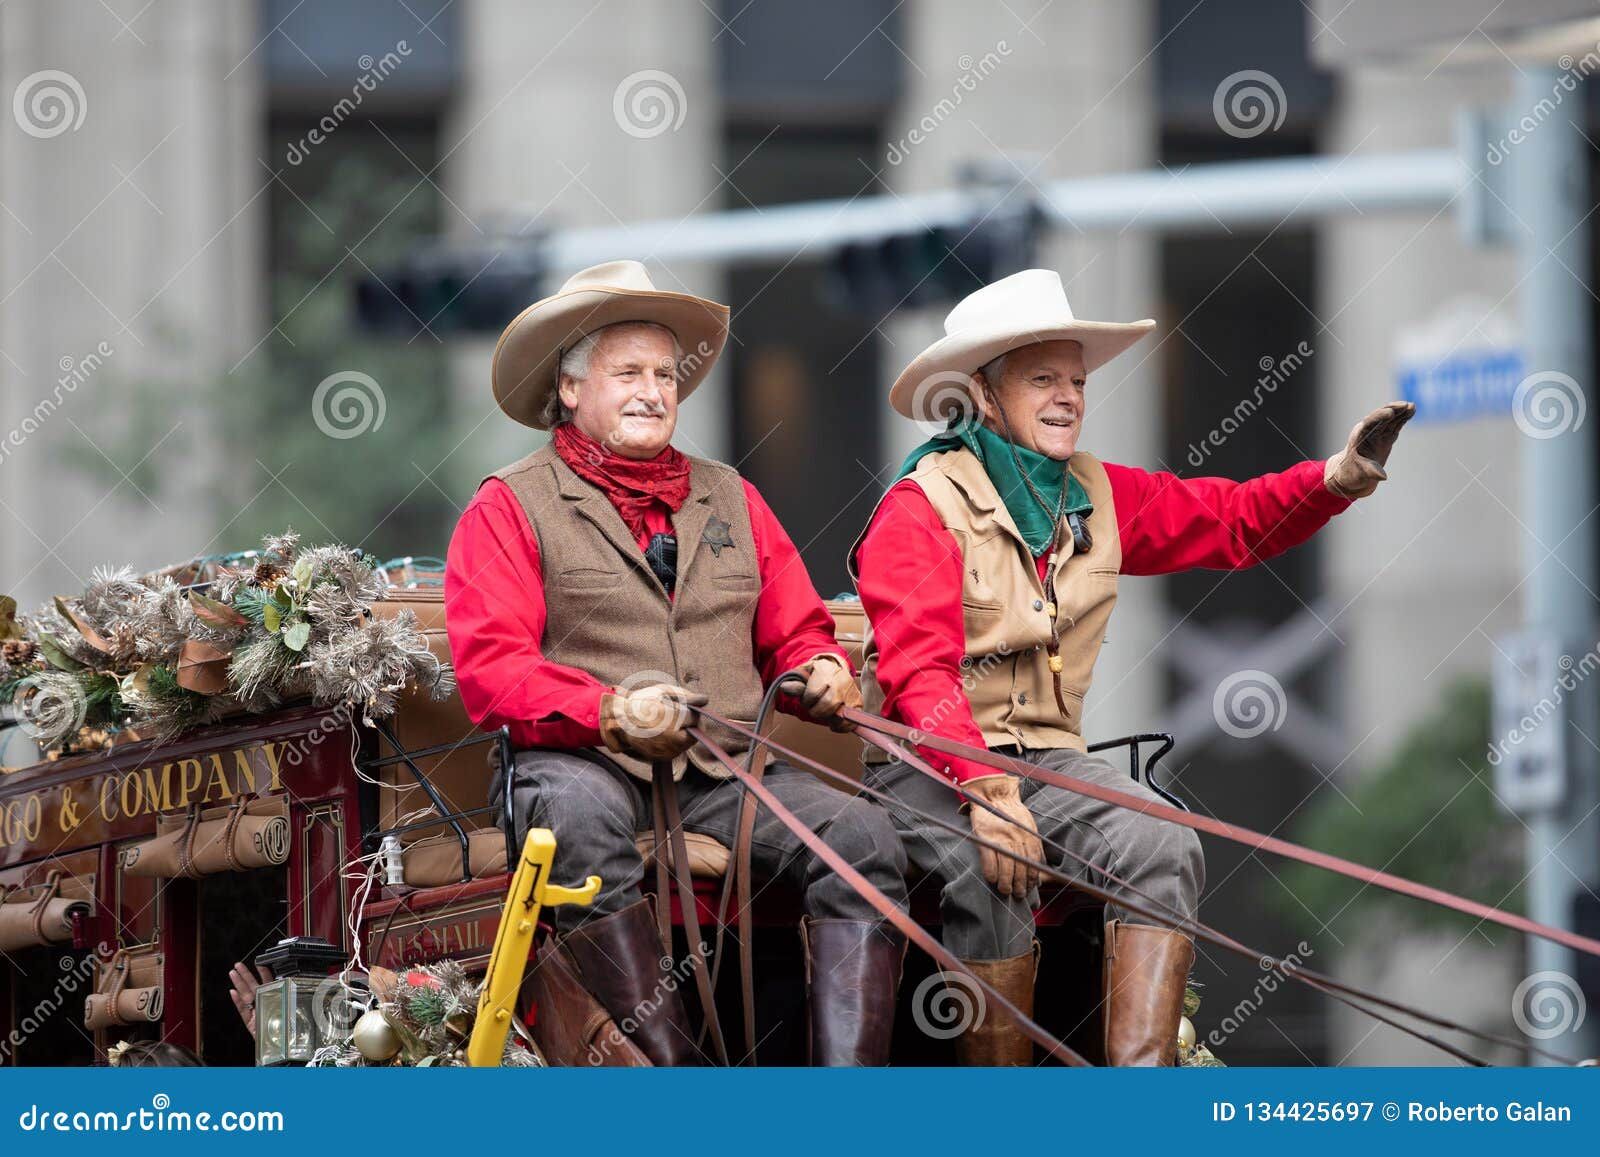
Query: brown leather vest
<point x="1006" y="673"/>
<point x="608" y="614"/>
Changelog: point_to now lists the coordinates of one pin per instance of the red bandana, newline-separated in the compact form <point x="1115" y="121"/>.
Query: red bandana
<point x="631" y="485"/>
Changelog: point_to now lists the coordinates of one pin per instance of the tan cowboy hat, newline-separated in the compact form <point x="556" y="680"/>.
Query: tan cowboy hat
<point x="1015" y="311"/>
<point x="528" y="357"/>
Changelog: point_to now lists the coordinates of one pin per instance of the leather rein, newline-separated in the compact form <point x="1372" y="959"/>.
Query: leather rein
<point x="882" y="733"/>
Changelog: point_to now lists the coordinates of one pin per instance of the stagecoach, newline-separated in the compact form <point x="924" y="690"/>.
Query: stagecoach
<point x="377" y="837"/>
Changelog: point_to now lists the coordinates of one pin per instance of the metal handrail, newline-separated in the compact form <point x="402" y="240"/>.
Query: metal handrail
<point x="1148" y="772"/>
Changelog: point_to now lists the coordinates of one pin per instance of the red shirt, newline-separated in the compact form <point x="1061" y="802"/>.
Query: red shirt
<point x="495" y="616"/>
<point x="910" y="568"/>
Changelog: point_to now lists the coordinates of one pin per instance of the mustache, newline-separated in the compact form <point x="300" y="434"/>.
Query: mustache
<point x="644" y="410"/>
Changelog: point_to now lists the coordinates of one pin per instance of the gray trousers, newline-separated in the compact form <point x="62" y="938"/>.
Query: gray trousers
<point x="596" y="810"/>
<point x="1160" y="858"/>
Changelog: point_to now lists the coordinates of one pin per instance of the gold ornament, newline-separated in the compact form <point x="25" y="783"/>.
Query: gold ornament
<point x="1186" y="1033"/>
<point x="1056" y="664"/>
<point x="374" y="1037"/>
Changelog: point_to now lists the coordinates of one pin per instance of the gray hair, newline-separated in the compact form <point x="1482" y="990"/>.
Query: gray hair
<point x="575" y="365"/>
<point x="992" y="369"/>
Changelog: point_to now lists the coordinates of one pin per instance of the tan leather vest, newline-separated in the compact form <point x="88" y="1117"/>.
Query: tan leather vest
<point x="608" y="614"/>
<point x="1006" y="672"/>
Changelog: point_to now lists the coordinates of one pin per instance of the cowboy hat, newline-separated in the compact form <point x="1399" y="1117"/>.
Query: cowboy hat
<point x="527" y="360"/>
<point x="1015" y="311"/>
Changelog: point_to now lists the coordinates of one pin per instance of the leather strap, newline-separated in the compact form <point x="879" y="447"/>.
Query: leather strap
<point x="1344" y="993"/>
<point x="885" y="907"/>
<point x="663" y="881"/>
<point x="739" y="879"/>
<point x="51" y="890"/>
<point x="1235" y="832"/>
<point x="667" y="789"/>
<point x="186" y="867"/>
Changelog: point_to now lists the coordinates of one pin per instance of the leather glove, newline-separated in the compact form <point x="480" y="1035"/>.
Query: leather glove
<point x="1008" y="876"/>
<point x="829" y="688"/>
<point x="1355" y="471"/>
<point x="649" y="722"/>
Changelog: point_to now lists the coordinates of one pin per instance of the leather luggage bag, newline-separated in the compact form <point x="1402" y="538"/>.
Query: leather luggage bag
<point x="570" y="1026"/>
<point x="42" y="914"/>
<point x="127" y="990"/>
<point x="238" y="837"/>
<point x="436" y="861"/>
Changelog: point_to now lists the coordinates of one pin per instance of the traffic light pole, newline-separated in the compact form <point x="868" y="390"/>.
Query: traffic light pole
<point x="1551" y="202"/>
<point x="1201" y="197"/>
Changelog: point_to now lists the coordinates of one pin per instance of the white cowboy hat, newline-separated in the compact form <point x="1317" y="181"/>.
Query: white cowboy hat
<point x="1015" y="311"/>
<point x="527" y="360"/>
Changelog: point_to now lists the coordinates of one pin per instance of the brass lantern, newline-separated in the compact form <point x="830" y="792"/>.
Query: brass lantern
<point x="291" y="1024"/>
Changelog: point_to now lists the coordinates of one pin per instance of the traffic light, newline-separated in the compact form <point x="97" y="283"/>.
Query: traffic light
<point x="933" y="266"/>
<point x="446" y="289"/>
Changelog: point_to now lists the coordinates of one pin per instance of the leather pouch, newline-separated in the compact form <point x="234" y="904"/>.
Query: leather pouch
<point x="42" y="914"/>
<point x="436" y="861"/>
<point x="248" y="833"/>
<point x="128" y="990"/>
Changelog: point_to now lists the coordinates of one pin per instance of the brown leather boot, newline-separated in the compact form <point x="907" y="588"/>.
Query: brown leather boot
<point x="852" y="978"/>
<point x="620" y="957"/>
<point x="1146" y="970"/>
<point x="997" y="1040"/>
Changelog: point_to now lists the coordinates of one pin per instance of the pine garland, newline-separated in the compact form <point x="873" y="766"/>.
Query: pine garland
<point x="148" y="655"/>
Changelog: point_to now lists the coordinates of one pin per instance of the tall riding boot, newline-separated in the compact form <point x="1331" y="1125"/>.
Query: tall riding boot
<point x="852" y="977"/>
<point x="996" y="1040"/>
<point x="1146" y="971"/>
<point x="620" y="958"/>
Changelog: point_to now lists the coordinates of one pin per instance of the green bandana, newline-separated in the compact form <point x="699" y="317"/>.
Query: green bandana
<point x="1048" y="475"/>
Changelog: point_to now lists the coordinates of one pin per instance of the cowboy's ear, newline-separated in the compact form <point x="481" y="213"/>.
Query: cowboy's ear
<point x="568" y="389"/>
<point x="978" y="387"/>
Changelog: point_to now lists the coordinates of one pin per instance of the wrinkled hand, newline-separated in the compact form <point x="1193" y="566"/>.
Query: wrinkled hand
<point x="830" y="688"/>
<point x="243" y="982"/>
<point x="649" y="722"/>
<point x="1355" y="471"/>
<point x="1010" y="877"/>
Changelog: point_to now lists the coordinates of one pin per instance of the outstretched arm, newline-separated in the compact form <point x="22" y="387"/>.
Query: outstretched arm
<point x="1168" y="523"/>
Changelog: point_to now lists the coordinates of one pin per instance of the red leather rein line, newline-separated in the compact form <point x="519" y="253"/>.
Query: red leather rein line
<point x="884" y="906"/>
<point x="1338" y="990"/>
<point x="1227" y="831"/>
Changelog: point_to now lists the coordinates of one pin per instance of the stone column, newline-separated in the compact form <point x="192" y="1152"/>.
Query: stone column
<point x="130" y="277"/>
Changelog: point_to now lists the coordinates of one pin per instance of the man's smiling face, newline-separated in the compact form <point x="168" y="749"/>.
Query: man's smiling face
<point x="628" y="399"/>
<point x="1040" y="392"/>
